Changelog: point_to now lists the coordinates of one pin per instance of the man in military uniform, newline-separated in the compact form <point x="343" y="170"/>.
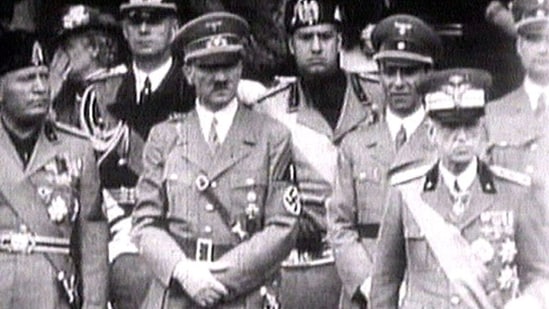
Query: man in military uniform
<point x="517" y="123"/>
<point x="406" y="51"/>
<point x="467" y="235"/>
<point x="53" y="239"/>
<point x="215" y="215"/>
<point x="320" y="107"/>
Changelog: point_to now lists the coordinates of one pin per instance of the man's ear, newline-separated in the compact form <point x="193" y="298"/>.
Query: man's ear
<point x="291" y="47"/>
<point x="174" y="26"/>
<point x="518" y="45"/>
<point x="125" y="29"/>
<point x="188" y="71"/>
<point x="339" y="42"/>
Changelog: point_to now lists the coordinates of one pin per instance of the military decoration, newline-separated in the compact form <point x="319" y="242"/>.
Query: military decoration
<point x="483" y="250"/>
<point x="60" y="193"/>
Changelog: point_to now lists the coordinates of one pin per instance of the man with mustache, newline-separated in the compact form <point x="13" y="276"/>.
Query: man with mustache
<point x="53" y="238"/>
<point x="216" y="214"/>
<point x="518" y="122"/>
<point x="321" y="106"/>
<point x="406" y="49"/>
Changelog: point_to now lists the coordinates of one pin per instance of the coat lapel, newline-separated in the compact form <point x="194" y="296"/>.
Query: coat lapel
<point x="237" y="145"/>
<point x="352" y="114"/>
<point x="309" y="117"/>
<point x="44" y="151"/>
<point x="12" y="166"/>
<point x="417" y="149"/>
<point x="380" y="137"/>
<point x="192" y="139"/>
<point x="440" y="200"/>
<point x="480" y="201"/>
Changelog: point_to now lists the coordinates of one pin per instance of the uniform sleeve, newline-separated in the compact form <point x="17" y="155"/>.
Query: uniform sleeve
<point x="158" y="248"/>
<point x="390" y="258"/>
<point x="353" y="262"/>
<point x="94" y="236"/>
<point x="258" y="258"/>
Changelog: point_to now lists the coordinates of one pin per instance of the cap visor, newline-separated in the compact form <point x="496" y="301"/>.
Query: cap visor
<point x="161" y="6"/>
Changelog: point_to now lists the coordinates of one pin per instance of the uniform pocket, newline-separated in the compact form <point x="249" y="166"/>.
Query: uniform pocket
<point x="370" y="193"/>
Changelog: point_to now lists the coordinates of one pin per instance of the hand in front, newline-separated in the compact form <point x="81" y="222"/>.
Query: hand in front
<point x="197" y="280"/>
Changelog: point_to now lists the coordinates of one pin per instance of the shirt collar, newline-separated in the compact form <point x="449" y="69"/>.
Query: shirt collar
<point x="224" y="117"/>
<point x="465" y="179"/>
<point x="410" y="122"/>
<point x="156" y="76"/>
<point x="533" y="91"/>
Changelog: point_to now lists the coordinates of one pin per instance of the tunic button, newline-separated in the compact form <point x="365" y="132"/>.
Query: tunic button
<point x="454" y="300"/>
<point x="209" y="207"/>
<point x="529" y="169"/>
<point x="534" y="147"/>
<point x="207" y="229"/>
<point x="214" y="184"/>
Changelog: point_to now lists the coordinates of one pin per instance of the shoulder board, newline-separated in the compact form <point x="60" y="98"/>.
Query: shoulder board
<point x="175" y="117"/>
<point x="65" y="128"/>
<point x="108" y="73"/>
<point x="282" y="86"/>
<point x="409" y="174"/>
<point x="510" y="175"/>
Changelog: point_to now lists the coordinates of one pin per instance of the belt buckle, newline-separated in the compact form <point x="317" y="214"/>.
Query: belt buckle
<point x="204" y="250"/>
<point x="19" y="242"/>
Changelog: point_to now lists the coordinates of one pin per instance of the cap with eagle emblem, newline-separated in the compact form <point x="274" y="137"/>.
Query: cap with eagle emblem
<point x="405" y="37"/>
<point x="20" y="49"/>
<point x="531" y="16"/>
<point x="304" y="13"/>
<point x="455" y="96"/>
<point x="213" y="38"/>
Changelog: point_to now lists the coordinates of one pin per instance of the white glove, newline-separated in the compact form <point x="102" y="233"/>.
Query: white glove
<point x="197" y="280"/>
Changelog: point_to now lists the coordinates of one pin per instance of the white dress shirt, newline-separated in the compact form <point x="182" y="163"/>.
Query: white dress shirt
<point x="156" y="76"/>
<point x="224" y="117"/>
<point x="534" y="92"/>
<point x="410" y="122"/>
<point x="464" y="180"/>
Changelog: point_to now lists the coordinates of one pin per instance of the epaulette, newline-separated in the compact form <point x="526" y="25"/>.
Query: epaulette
<point x="409" y="174"/>
<point x="282" y="84"/>
<point x="65" y="128"/>
<point x="103" y="74"/>
<point x="510" y="175"/>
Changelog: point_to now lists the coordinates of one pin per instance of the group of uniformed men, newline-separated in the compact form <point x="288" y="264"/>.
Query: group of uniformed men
<point x="332" y="190"/>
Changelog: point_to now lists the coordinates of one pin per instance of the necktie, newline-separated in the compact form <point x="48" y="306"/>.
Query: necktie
<point x="542" y="105"/>
<point x="145" y="92"/>
<point x="461" y="199"/>
<point x="213" y="138"/>
<point x="400" y="138"/>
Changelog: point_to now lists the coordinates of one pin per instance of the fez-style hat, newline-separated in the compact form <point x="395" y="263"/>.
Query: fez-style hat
<point x="161" y="5"/>
<point x="405" y="37"/>
<point x="20" y="49"/>
<point x="530" y="15"/>
<point x="213" y="38"/>
<point x="455" y="96"/>
<point x="79" y="18"/>
<point x="303" y="13"/>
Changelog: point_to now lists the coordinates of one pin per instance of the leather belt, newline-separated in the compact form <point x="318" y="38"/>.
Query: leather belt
<point x="203" y="249"/>
<point x="123" y="195"/>
<point x="368" y="230"/>
<point x="27" y="243"/>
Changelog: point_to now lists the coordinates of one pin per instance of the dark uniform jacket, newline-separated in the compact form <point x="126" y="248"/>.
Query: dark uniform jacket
<point x="367" y="159"/>
<point x="502" y="224"/>
<point x="173" y="212"/>
<point x="60" y="180"/>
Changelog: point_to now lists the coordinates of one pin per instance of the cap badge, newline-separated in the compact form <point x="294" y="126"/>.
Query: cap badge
<point x="37" y="54"/>
<point x="217" y="41"/>
<point x="76" y="16"/>
<point x="214" y="25"/>
<point x="540" y="13"/>
<point x="401" y="45"/>
<point x="456" y="88"/>
<point x="306" y="11"/>
<point x="403" y="28"/>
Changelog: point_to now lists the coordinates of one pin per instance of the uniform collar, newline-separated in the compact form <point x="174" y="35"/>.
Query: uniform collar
<point x="485" y="177"/>
<point x="464" y="180"/>
<point x="156" y="76"/>
<point x="224" y="117"/>
<point x="534" y="91"/>
<point x="410" y="122"/>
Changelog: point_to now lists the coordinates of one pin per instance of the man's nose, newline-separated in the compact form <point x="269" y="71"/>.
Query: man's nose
<point x="316" y="46"/>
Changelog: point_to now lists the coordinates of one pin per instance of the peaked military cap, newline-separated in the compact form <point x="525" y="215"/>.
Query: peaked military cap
<point x="80" y="18"/>
<point x="406" y="37"/>
<point x="20" y="49"/>
<point x="304" y="13"/>
<point x="157" y="5"/>
<point x="530" y="15"/>
<point x="213" y="38"/>
<point x="455" y="96"/>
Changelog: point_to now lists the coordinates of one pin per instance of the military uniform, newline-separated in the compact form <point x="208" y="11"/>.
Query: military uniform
<point x="460" y="237"/>
<point x="224" y="200"/>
